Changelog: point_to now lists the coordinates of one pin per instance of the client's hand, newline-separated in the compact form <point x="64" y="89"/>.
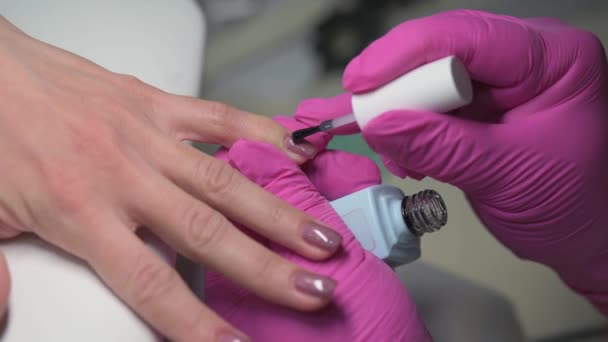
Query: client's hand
<point x="89" y="157"/>
<point x="370" y="303"/>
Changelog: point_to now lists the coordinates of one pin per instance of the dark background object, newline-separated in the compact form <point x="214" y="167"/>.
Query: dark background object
<point x="349" y="29"/>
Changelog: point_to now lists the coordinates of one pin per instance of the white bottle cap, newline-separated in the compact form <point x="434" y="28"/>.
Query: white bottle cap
<point x="439" y="86"/>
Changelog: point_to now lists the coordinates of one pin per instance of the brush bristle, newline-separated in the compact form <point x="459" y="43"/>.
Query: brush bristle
<point x="300" y="134"/>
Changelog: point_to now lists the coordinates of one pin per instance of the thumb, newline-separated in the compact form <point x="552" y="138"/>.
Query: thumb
<point x="447" y="148"/>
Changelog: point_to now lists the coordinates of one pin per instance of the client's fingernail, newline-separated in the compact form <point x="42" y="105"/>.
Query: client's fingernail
<point x="314" y="284"/>
<point x="320" y="236"/>
<point x="232" y="337"/>
<point x="304" y="149"/>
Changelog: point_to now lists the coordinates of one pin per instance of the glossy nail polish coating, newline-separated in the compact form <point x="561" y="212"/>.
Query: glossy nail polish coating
<point x="304" y="148"/>
<point x="231" y="337"/>
<point x="314" y="284"/>
<point x="321" y="237"/>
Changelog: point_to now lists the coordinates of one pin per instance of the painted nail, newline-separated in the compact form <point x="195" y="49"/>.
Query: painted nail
<point x="304" y="149"/>
<point x="321" y="237"/>
<point x="232" y="337"/>
<point x="314" y="284"/>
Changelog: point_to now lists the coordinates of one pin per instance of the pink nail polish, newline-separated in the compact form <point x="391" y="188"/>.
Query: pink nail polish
<point x="321" y="237"/>
<point x="231" y="337"/>
<point x="304" y="149"/>
<point x="314" y="284"/>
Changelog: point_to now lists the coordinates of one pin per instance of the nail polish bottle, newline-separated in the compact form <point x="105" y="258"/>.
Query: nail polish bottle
<point x="388" y="223"/>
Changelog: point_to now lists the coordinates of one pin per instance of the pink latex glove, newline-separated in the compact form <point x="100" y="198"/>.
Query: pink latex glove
<point x="531" y="152"/>
<point x="369" y="303"/>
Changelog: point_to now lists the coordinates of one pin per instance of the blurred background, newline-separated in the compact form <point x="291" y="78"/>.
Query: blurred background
<point x="265" y="56"/>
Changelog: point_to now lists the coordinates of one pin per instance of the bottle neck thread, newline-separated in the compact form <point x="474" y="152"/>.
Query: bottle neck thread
<point x="424" y="212"/>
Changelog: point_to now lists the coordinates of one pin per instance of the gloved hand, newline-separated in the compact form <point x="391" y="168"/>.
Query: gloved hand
<point x="531" y="151"/>
<point x="370" y="303"/>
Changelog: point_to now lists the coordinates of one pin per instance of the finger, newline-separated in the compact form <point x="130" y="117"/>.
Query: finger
<point x="312" y="112"/>
<point x="217" y="123"/>
<point x="481" y="40"/>
<point x="221" y="187"/>
<point x="223" y="154"/>
<point x="151" y="287"/>
<point x="5" y="286"/>
<point x="337" y="173"/>
<point x="317" y="142"/>
<point x="444" y="147"/>
<point x="205" y="236"/>
<point x="284" y="178"/>
<point x="399" y="171"/>
<point x="393" y="167"/>
<point x="7" y="233"/>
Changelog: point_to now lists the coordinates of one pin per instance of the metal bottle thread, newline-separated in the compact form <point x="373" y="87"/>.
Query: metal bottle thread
<point x="424" y="212"/>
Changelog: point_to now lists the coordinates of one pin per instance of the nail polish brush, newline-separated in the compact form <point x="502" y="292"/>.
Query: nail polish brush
<point x="440" y="86"/>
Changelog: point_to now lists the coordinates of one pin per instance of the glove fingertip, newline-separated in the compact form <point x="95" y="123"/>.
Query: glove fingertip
<point x="399" y="171"/>
<point x="313" y="111"/>
<point x="415" y="175"/>
<point x="349" y="77"/>
<point x="222" y="154"/>
<point x="356" y="79"/>
<point x="393" y="167"/>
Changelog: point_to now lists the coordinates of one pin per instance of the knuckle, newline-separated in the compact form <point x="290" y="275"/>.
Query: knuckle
<point x="66" y="188"/>
<point x="204" y="230"/>
<point x="70" y="200"/>
<point x="221" y="117"/>
<point x="151" y="281"/>
<point x="194" y="323"/>
<point x="152" y="101"/>
<point x="129" y="81"/>
<point x="590" y="57"/>
<point x="267" y="265"/>
<point x="114" y="159"/>
<point x="277" y="213"/>
<point x="590" y="45"/>
<point x="118" y="108"/>
<point x="98" y="143"/>
<point x="217" y="177"/>
<point x="221" y="114"/>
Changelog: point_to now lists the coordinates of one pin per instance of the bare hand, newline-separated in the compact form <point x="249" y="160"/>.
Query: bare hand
<point x="89" y="157"/>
